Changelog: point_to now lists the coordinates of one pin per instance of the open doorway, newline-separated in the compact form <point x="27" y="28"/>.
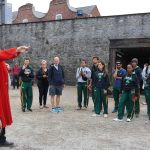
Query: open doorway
<point x="126" y="49"/>
<point x="127" y="54"/>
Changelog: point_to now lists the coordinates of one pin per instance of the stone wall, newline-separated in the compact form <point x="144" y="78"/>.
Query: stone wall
<point x="74" y="39"/>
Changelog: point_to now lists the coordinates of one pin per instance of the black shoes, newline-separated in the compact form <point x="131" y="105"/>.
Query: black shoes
<point x="137" y="115"/>
<point x="30" y="109"/>
<point x="45" y="106"/>
<point x="23" y="110"/>
<point x="78" y="108"/>
<point x="7" y="144"/>
<point x="114" y="110"/>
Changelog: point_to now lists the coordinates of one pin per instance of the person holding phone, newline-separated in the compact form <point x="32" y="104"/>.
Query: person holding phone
<point x="43" y="84"/>
<point x="101" y="84"/>
<point x="27" y="76"/>
<point x="119" y="72"/>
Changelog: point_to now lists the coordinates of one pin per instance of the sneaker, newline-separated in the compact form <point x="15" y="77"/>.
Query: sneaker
<point x="78" y="108"/>
<point x="30" y="109"/>
<point x="144" y="103"/>
<point x="54" y="110"/>
<point x="95" y="115"/>
<point x="60" y="109"/>
<point x="46" y="106"/>
<point x="23" y="110"/>
<point x="114" y="110"/>
<point x="128" y="120"/>
<point x="116" y="119"/>
<point x="84" y="108"/>
<point x="147" y="122"/>
<point x="41" y="107"/>
<point x="137" y="115"/>
<point x="6" y="144"/>
<point x="105" y="115"/>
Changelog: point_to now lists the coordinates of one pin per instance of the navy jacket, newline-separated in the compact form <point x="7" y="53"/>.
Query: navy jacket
<point x="56" y="77"/>
<point x="138" y="72"/>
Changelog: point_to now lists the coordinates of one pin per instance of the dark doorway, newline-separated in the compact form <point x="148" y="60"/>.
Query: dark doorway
<point x="126" y="49"/>
<point x="126" y="55"/>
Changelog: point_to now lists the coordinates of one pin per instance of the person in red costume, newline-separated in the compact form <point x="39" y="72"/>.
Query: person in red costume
<point x="5" y="111"/>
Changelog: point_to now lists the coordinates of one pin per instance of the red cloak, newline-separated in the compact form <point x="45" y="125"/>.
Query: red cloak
<point x="5" y="112"/>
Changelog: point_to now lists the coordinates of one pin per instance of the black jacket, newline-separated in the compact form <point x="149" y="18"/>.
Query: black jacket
<point x="138" y="72"/>
<point x="42" y="81"/>
<point x="93" y="70"/>
<point x="130" y="83"/>
<point x="101" y="79"/>
<point x="27" y="74"/>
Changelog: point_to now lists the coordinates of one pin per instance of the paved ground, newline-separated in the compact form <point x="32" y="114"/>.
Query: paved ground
<point x="74" y="130"/>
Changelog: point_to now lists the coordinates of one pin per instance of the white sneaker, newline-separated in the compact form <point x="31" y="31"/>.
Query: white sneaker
<point x="147" y="122"/>
<point x="128" y="120"/>
<point x="95" y="115"/>
<point x="41" y="107"/>
<point x="105" y="115"/>
<point x="116" y="119"/>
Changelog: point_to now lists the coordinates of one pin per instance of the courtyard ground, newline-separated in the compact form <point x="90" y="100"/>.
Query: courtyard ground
<point x="74" y="130"/>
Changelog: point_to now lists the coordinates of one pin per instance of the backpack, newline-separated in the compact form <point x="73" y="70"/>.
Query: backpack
<point x="83" y="77"/>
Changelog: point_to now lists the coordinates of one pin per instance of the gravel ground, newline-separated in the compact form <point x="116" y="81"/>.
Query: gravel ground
<point x="74" y="130"/>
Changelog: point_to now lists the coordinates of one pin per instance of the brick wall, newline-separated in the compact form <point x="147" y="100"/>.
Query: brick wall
<point x="59" y="7"/>
<point x="26" y="12"/>
<point x="56" y="7"/>
<point x="95" y="12"/>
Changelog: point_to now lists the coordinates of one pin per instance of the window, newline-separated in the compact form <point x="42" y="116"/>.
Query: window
<point x="79" y="13"/>
<point x="58" y="17"/>
<point x="25" y="20"/>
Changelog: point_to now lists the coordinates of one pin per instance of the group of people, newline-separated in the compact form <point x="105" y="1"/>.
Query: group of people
<point x="126" y="87"/>
<point x="53" y="76"/>
<point x="95" y="81"/>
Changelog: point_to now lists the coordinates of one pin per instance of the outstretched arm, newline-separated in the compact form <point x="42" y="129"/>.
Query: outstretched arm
<point x="12" y="53"/>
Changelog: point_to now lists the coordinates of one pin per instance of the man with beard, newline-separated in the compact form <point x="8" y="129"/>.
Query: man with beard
<point x="117" y="75"/>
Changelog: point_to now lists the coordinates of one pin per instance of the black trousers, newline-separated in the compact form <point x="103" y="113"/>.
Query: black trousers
<point x="43" y="89"/>
<point x="2" y="135"/>
<point x="15" y="81"/>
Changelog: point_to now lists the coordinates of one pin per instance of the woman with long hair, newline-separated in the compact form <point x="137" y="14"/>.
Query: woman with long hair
<point x="101" y="84"/>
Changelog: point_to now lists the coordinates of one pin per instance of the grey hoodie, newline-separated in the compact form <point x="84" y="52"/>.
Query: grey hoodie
<point x="145" y="76"/>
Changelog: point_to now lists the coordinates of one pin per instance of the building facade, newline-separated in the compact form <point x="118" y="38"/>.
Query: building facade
<point x="5" y="12"/>
<point x="58" y="10"/>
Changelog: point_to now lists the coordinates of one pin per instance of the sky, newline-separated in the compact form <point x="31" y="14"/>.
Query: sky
<point x="106" y="7"/>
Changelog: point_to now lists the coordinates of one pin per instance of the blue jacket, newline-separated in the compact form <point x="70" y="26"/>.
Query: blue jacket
<point x="117" y="82"/>
<point x="56" y="77"/>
